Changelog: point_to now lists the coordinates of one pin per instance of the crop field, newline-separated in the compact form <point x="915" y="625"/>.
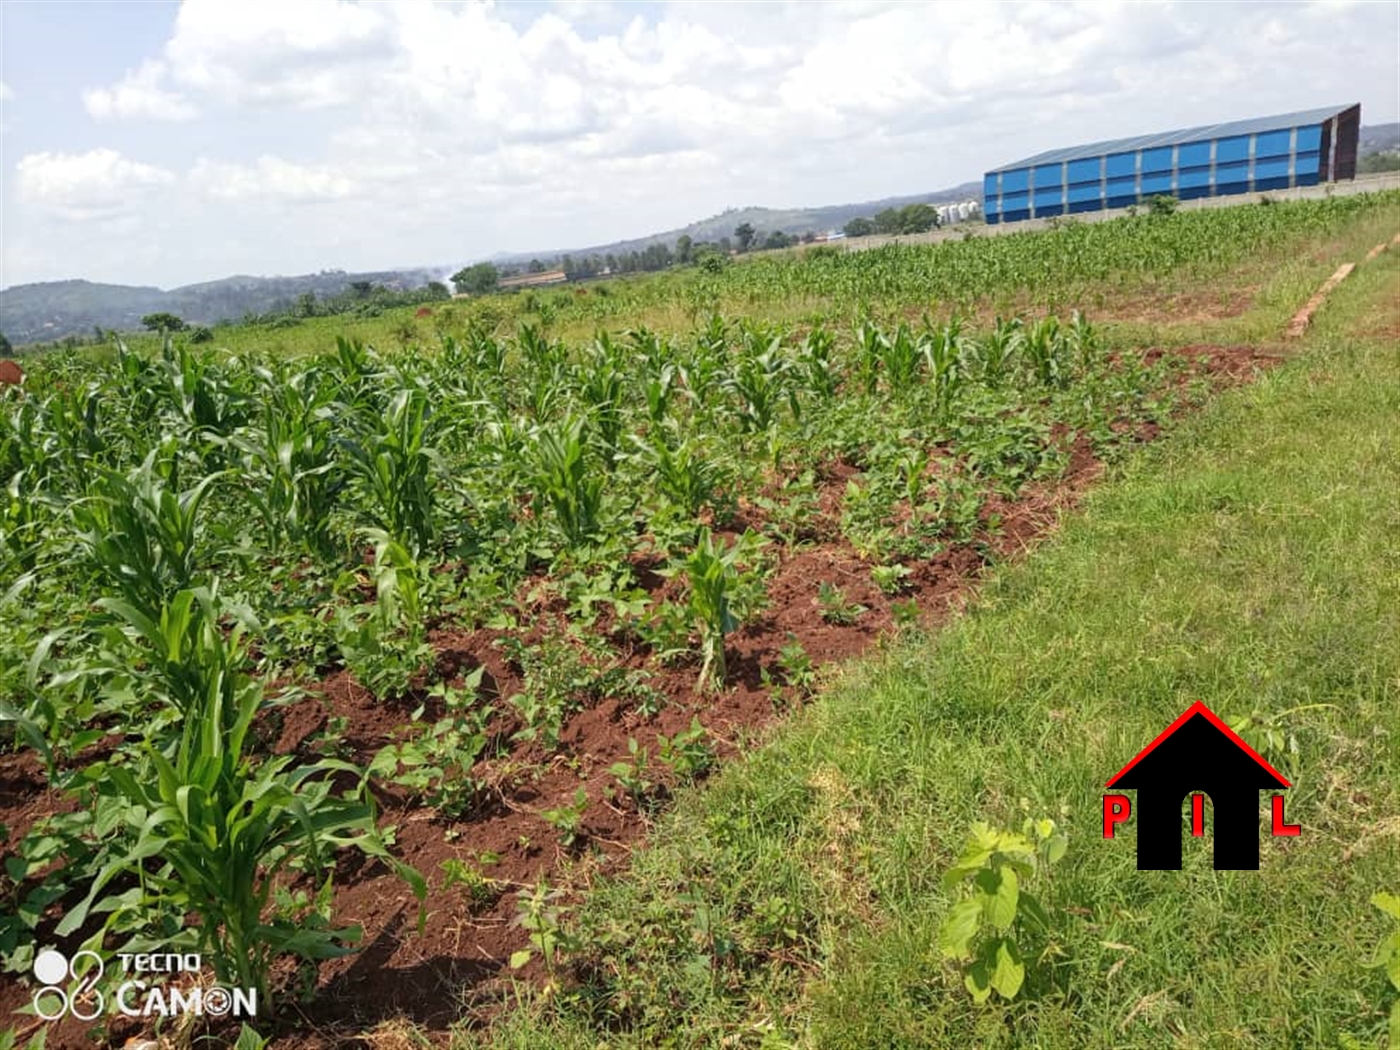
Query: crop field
<point x="389" y="665"/>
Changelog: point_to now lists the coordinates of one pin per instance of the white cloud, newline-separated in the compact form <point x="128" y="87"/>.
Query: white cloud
<point x="139" y="94"/>
<point x="271" y="178"/>
<point x="433" y="132"/>
<point x="99" y="184"/>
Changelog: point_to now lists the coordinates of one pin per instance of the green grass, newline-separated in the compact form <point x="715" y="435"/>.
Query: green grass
<point x="1250" y="561"/>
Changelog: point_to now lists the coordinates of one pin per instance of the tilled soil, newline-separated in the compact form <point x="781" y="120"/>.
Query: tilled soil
<point x="458" y="965"/>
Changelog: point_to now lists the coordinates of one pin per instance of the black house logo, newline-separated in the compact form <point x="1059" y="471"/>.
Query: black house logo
<point x="1200" y="754"/>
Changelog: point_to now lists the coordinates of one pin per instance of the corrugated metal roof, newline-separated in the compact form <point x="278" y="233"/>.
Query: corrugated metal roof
<point x="1173" y="138"/>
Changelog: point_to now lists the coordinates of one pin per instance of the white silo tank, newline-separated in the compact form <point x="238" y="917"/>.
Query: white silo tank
<point x="963" y="212"/>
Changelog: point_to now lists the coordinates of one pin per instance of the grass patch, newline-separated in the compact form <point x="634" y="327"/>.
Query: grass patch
<point x="1249" y="562"/>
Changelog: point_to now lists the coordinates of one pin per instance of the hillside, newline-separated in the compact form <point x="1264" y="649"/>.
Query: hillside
<point x="54" y="309"/>
<point x="766" y="220"/>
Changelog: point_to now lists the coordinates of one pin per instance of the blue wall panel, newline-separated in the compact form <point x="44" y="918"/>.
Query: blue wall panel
<point x="1157" y="159"/>
<point x="1049" y="175"/>
<point x="1225" y="189"/>
<point x="1016" y="216"/>
<point x="1231" y="173"/>
<point x="1119" y="189"/>
<point x="1273" y="144"/>
<point x="989" y="185"/>
<point x="1085" y="191"/>
<point x="1307" y="178"/>
<point x="1017" y="181"/>
<point x="1310" y="138"/>
<point x="1011" y="202"/>
<point x="1229" y="150"/>
<point x="1096" y="204"/>
<point x="1086" y="170"/>
<point x="1271" y="168"/>
<point x="1190" y="178"/>
<point x="1159" y="183"/>
<point x="1121" y="165"/>
<point x="1306" y="164"/>
<point x="1193" y="155"/>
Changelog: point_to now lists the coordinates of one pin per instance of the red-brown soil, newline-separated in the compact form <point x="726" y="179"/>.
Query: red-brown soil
<point x="458" y="966"/>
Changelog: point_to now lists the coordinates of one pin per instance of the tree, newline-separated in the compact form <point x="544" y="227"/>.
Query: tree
<point x="437" y="290"/>
<point x="4" y="344"/>
<point x="917" y="218"/>
<point x="859" y="228"/>
<point x="163" y="322"/>
<point x="684" y="247"/>
<point x="744" y="233"/>
<point x="476" y="280"/>
<point x="536" y="266"/>
<point x="777" y="239"/>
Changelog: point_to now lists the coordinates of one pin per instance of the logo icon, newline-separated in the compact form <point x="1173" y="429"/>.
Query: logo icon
<point x="1196" y="753"/>
<point x="53" y="970"/>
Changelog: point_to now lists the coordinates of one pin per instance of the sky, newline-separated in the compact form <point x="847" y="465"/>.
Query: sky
<point x="166" y="143"/>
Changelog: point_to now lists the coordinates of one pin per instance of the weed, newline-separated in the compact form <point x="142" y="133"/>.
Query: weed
<point x="836" y="608"/>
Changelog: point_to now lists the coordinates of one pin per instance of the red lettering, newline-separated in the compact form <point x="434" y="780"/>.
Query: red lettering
<point x="1116" y="809"/>
<point x="1280" y="828"/>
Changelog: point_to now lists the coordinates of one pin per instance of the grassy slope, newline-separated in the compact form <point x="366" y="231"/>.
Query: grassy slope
<point x="1250" y="562"/>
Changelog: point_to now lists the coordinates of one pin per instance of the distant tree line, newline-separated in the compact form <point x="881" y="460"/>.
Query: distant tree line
<point x="912" y="218"/>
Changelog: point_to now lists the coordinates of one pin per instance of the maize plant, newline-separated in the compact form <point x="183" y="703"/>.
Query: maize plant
<point x="394" y="465"/>
<point x="565" y="483"/>
<point x="142" y="533"/>
<point x="207" y="828"/>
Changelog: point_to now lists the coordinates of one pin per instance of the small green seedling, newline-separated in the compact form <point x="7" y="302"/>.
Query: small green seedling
<point x="980" y="931"/>
<point x="836" y="609"/>
<point x="568" y="819"/>
<point x="891" y="579"/>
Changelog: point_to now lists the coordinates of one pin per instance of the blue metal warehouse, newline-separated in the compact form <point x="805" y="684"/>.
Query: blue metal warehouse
<point x="1267" y="153"/>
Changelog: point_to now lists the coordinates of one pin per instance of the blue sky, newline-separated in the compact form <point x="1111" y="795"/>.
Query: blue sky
<point x="166" y="143"/>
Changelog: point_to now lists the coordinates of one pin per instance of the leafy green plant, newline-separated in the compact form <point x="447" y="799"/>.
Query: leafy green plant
<point x="542" y="915"/>
<point x="980" y="931"/>
<point x="891" y="579"/>
<point x="568" y="819"/>
<point x="207" y="828"/>
<point x="394" y="466"/>
<point x="689" y="753"/>
<point x="632" y="775"/>
<point x="835" y="607"/>
<point x="386" y="645"/>
<point x="906" y="613"/>
<point x="794" y="664"/>
<point x="1387" y="957"/>
<point x="565" y="483"/>
<point x="435" y="760"/>
<point x="482" y="890"/>
<point x="712" y="574"/>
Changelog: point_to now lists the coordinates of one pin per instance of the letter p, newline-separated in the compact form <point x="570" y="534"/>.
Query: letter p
<point x="1116" y="810"/>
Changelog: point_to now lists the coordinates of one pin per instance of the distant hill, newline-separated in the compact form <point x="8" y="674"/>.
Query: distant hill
<point x="766" y="220"/>
<point x="1379" y="138"/>
<point x="50" y="310"/>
